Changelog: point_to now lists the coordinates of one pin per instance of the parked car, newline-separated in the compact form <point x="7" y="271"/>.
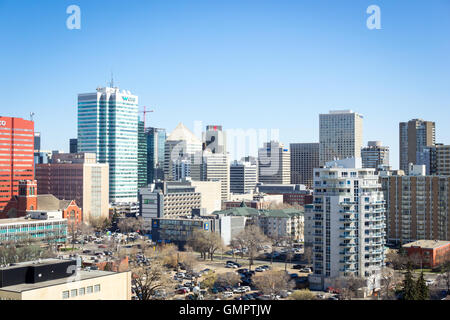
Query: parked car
<point x="259" y="269"/>
<point x="239" y="290"/>
<point x="306" y="270"/>
<point x="182" y="290"/>
<point x="227" y="294"/>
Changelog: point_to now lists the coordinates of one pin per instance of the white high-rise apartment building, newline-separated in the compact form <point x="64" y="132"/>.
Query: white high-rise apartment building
<point x="348" y="223"/>
<point x="341" y="135"/>
<point x="274" y="164"/>
<point x="108" y="127"/>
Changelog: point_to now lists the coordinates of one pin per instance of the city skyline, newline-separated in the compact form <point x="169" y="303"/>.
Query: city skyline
<point x="278" y="64"/>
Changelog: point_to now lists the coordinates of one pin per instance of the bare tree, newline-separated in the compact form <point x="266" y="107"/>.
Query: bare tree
<point x="304" y="294"/>
<point x="272" y="282"/>
<point x="228" y="279"/>
<point x="308" y="254"/>
<point x="198" y="241"/>
<point x="147" y="280"/>
<point x="445" y="272"/>
<point x="251" y="238"/>
<point x="398" y="260"/>
<point x="99" y="224"/>
<point x="207" y="243"/>
<point x="389" y="279"/>
<point x="189" y="260"/>
<point x="348" y="286"/>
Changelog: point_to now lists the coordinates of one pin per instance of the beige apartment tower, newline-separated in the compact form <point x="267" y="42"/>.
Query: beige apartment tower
<point x="341" y="135"/>
<point x="418" y="206"/>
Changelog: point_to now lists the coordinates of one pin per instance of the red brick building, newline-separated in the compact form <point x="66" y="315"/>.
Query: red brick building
<point x="16" y="156"/>
<point x="431" y="252"/>
<point x="27" y="200"/>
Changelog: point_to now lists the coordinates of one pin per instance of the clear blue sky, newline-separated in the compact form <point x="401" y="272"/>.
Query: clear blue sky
<point x="239" y="63"/>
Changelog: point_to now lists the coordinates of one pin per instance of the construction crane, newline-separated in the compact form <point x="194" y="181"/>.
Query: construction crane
<point x="145" y="115"/>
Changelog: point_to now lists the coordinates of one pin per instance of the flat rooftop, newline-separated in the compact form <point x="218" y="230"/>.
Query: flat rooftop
<point x="83" y="275"/>
<point x="41" y="262"/>
<point x="427" y="244"/>
<point x="23" y="220"/>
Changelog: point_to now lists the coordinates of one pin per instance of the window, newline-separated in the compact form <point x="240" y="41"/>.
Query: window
<point x="73" y="293"/>
<point x="65" y="294"/>
<point x="82" y="291"/>
<point x="89" y="289"/>
<point x="97" y="288"/>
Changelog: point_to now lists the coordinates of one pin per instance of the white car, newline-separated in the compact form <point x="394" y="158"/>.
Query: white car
<point x="227" y="294"/>
<point x="239" y="290"/>
<point x="429" y="282"/>
<point x="246" y="288"/>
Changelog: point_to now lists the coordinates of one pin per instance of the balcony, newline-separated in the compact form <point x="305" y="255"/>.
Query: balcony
<point x="348" y="228"/>
<point x="347" y="244"/>
<point x="348" y="261"/>
<point x="347" y="236"/>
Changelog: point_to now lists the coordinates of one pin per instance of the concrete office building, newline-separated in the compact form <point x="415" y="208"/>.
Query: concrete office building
<point x="284" y="223"/>
<point x="180" y="229"/>
<point x="156" y="142"/>
<point x="16" y="156"/>
<point x="341" y="135"/>
<point x="210" y="194"/>
<point x="168" y="199"/>
<point x="417" y="205"/>
<point x="208" y="166"/>
<point x="180" y="147"/>
<point x="77" y="176"/>
<point x="243" y="177"/>
<point x="108" y="127"/>
<point x="274" y="164"/>
<point x="304" y="158"/>
<point x="414" y="136"/>
<point x="349" y="221"/>
<point x="54" y="279"/>
<point x="375" y="155"/>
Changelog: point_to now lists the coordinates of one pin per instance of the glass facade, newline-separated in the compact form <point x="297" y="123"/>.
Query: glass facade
<point x="108" y="127"/>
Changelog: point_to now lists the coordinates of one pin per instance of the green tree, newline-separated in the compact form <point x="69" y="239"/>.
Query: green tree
<point x="409" y="286"/>
<point x="423" y="293"/>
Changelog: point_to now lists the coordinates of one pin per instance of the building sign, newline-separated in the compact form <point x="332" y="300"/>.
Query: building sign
<point x="2" y="123"/>
<point x="129" y="99"/>
<point x="206" y="226"/>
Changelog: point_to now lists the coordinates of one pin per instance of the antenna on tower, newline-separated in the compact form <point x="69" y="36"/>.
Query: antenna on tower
<point x="111" y="84"/>
<point x="31" y="116"/>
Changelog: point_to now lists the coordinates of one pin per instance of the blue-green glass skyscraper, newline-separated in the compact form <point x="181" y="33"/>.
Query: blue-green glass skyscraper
<point x="108" y="126"/>
<point x="156" y="142"/>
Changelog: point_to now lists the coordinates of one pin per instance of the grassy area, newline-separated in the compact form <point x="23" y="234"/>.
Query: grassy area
<point x="68" y="249"/>
<point x="424" y="271"/>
